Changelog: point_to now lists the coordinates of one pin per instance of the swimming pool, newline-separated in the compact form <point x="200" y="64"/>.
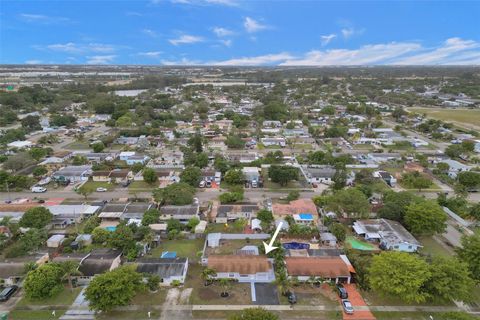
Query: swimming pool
<point x="168" y="254"/>
<point x="111" y="228"/>
<point x="295" y="245"/>
<point x="360" y="245"/>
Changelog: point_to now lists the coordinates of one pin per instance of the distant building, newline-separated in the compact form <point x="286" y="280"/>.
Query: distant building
<point x="390" y="234"/>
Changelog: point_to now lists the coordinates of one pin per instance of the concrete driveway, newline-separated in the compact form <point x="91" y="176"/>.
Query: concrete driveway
<point x="266" y="294"/>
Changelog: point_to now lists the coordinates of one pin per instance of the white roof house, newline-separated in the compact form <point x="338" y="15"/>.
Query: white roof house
<point x="20" y="144"/>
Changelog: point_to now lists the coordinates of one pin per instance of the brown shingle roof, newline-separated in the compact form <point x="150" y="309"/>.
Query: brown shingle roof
<point x="295" y="207"/>
<point x="322" y="267"/>
<point x="240" y="264"/>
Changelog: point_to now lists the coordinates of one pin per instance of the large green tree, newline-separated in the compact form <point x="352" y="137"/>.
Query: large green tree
<point x="282" y="174"/>
<point x="37" y="217"/>
<point x="44" y="281"/>
<point x="469" y="179"/>
<point x="191" y="176"/>
<point x="450" y="280"/>
<point x="114" y="288"/>
<point x="175" y="194"/>
<point x="351" y="202"/>
<point x="469" y="252"/>
<point x="234" y="176"/>
<point x="149" y="175"/>
<point x="150" y="216"/>
<point x="399" y="274"/>
<point x="395" y="205"/>
<point x="425" y="218"/>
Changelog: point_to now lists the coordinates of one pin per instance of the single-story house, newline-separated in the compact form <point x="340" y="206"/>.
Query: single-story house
<point x="11" y="273"/>
<point x="267" y="142"/>
<point x="135" y="210"/>
<point x="55" y="241"/>
<point x="73" y="173"/>
<point x="244" y="268"/>
<point x="318" y="173"/>
<point x="101" y="176"/>
<point x="251" y="173"/>
<point x="168" y="269"/>
<point x="20" y="144"/>
<point x="337" y="269"/>
<point x="296" y="207"/>
<point x="387" y="177"/>
<point x="120" y="175"/>
<point x="98" y="262"/>
<point x="72" y="212"/>
<point x="181" y="213"/>
<point x="226" y="213"/>
<point x="97" y="157"/>
<point x="455" y="167"/>
<point x="211" y="175"/>
<point x="391" y="235"/>
<point x="328" y="239"/>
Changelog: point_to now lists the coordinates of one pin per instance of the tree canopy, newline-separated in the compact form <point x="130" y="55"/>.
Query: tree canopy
<point x="37" y="217"/>
<point x="282" y="174"/>
<point x="191" y="176"/>
<point x="470" y="254"/>
<point x="114" y="288"/>
<point x="175" y="194"/>
<point x="425" y="218"/>
<point x="399" y="274"/>
<point x="44" y="281"/>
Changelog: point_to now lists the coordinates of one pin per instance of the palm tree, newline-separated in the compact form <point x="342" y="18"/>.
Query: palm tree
<point x="207" y="275"/>
<point x="70" y="269"/>
<point x="283" y="283"/>
<point x="226" y="284"/>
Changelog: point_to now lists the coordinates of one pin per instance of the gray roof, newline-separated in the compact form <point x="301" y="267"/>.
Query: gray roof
<point x="321" y="171"/>
<point x="11" y="269"/>
<point x="99" y="261"/>
<point x="165" y="268"/>
<point x="114" y="207"/>
<point x="389" y="230"/>
<point x="179" y="210"/>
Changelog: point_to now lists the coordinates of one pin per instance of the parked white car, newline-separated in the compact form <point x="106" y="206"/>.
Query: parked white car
<point x="101" y="189"/>
<point x="39" y="189"/>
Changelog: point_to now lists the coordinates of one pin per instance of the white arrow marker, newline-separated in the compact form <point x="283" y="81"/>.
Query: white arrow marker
<point x="269" y="247"/>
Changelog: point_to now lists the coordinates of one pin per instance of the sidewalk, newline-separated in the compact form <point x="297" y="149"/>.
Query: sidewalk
<point x="79" y="309"/>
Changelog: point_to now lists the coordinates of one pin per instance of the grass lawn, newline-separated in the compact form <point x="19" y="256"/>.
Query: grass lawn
<point x="78" y="145"/>
<point x="304" y="146"/>
<point x="138" y="315"/>
<point x="93" y="185"/>
<point x="433" y="187"/>
<point x="432" y="247"/>
<point x="220" y="227"/>
<point x="375" y="299"/>
<point x="312" y="296"/>
<point x="466" y="118"/>
<point x="183" y="248"/>
<point x="403" y="315"/>
<point x="64" y="298"/>
<point x="363" y="147"/>
<point x="148" y="298"/>
<point x="35" y="315"/>
<point x="267" y="184"/>
<point x="239" y="292"/>
<point x="142" y="186"/>
<point x="284" y="315"/>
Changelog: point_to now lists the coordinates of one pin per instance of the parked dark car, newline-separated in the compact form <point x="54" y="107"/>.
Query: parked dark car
<point x="342" y="292"/>
<point x="292" y="298"/>
<point x="7" y="293"/>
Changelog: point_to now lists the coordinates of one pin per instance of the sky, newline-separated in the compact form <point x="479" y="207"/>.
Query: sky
<point x="240" y="32"/>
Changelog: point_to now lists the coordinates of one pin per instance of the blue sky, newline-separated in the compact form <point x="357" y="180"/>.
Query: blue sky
<point x="236" y="32"/>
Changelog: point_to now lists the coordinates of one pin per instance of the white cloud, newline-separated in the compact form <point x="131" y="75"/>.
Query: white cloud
<point x="327" y="38"/>
<point x="43" y="19"/>
<point x="150" y="33"/>
<point x="365" y="55"/>
<point x="229" y="3"/>
<point x="186" y="39"/>
<point x="222" y="32"/>
<point x="226" y="43"/>
<point x="33" y="62"/>
<point x="350" y="31"/>
<point x="268" y="59"/>
<point x="100" y="59"/>
<point x="150" y="54"/>
<point x="77" y="48"/>
<point x="182" y="62"/>
<point x="453" y="50"/>
<point x="252" y="26"/>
